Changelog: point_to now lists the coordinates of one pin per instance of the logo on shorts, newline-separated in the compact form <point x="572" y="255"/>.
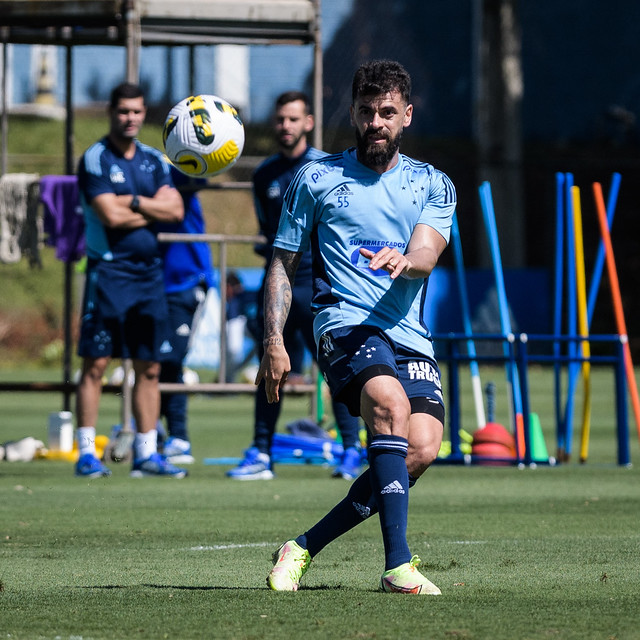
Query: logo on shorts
<point x="183" y="330"/>
<point x="326" y="345"/>
<point x="367" y="352"/>
<point x="423" y="370"/>
<point x="166" y="347"/>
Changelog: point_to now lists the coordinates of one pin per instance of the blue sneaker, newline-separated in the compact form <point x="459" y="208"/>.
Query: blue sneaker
<point x="156" y="465"/>
<point x="88" y="466"/>
<point x="349" y="467"/>
<point x="255" y="466"/>
<point x="178" y="451"/>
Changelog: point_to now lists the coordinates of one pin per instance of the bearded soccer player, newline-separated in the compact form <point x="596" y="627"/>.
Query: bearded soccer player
<point x="377" y="222"/>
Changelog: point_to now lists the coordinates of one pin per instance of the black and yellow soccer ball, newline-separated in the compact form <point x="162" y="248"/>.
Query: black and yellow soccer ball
<point x="203" y="136"/>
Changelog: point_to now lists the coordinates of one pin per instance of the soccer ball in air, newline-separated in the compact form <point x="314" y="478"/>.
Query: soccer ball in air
<point x="203" y="136"/>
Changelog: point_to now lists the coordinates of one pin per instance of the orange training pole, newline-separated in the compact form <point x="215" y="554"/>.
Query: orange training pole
<point x="617" y="300"/>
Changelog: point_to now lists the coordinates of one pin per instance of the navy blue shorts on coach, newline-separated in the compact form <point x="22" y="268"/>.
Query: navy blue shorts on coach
<point x="124" y="312"/>
<point x="350" y="356"/>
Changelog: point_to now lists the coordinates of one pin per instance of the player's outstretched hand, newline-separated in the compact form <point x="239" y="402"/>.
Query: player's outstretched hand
<point x="274" y="370"/>
<point x="390" y="260"/>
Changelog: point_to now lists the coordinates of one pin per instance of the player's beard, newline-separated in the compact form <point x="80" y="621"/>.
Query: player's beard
<point x="288" y="144"/>
<point x="376" y="154"/>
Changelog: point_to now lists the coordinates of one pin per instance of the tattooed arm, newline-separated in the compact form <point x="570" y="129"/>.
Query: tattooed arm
<point x="275" y="365"/>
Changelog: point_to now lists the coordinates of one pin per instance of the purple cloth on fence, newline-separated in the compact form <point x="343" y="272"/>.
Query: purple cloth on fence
<point x="63" y="217"/>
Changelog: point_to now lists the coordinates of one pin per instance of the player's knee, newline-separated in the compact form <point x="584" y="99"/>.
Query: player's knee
<point x="389" y="420"/>
<point x="386" y="410"/>
<point x="420" y="458"/>
<point x="147" y="371"/>
<point x="93" y="370"/>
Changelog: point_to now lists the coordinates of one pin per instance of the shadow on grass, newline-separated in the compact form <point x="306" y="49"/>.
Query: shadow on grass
<point x="202" y="588"/>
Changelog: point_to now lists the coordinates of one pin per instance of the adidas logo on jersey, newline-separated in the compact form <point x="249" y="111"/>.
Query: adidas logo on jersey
<point x="393" y="487"/>
<point x="343" y="191"/>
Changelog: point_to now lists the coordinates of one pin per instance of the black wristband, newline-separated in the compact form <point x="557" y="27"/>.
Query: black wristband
<point x="135" y="204"/>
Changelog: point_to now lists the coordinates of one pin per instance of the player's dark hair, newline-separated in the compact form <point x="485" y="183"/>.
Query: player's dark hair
<point x="381" y="76"/>
<point x="125" y="90"/>
<point x="292" y="96"/>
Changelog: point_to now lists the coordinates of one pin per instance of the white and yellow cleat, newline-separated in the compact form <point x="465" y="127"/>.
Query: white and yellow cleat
<point x="407" y="579"/>
<point x="290" y="563"/>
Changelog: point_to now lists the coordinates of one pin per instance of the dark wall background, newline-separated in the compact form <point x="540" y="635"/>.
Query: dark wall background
<point x="581" y="70"/>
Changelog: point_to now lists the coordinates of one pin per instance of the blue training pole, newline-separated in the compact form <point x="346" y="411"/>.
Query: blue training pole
<point x="572" y="319"/>
<point x="505" y="321"/>
<point x="557" y="312"/>
<point x="599" y="264"/>
<point x="574" y="367"/>
<point x="466" y="322"/>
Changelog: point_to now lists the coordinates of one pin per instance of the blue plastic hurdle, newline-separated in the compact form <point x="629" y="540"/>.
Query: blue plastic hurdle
<point x="519" y="355"/>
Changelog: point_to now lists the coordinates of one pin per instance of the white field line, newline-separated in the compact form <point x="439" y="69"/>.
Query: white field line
<point x="224" y="547"/>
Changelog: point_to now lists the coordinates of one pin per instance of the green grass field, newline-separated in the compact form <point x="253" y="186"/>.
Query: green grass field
<point x="550" y="552"/>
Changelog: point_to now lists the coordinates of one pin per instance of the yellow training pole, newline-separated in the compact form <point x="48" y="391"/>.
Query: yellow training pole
<point x="583" y="323"/>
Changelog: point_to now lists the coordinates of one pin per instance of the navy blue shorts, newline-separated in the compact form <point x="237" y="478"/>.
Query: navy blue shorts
<point x="124" y="312"/>
<point x="350" y="356"/>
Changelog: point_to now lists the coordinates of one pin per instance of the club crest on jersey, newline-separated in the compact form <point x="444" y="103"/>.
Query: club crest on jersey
<point x="146" y="167"/>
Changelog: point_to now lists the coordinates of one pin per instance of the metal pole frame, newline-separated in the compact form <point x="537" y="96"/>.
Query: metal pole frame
<point x="318" y="132"/>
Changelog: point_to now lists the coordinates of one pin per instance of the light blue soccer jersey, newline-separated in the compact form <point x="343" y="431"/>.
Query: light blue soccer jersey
<point x="336" y="205"/>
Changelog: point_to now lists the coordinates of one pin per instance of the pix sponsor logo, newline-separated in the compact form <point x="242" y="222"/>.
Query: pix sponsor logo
<point x="319" y="171"/>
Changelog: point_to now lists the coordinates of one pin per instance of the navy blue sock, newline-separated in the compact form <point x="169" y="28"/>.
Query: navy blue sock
<point x="348" y="513"/>
<point x="265" y="416"/>
<point x="390" y="484"/>
<point x="357" y="506"/>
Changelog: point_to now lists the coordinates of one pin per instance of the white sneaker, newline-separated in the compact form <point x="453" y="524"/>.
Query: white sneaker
<point x="407" y="579"/>
<point x="178" y="451"/>
<point x="254" y="466"/>
<point x="290" y="563"/>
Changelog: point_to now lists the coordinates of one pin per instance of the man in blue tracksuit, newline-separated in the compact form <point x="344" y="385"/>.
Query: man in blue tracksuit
<point x="293" y="121"/>
<point x="188" y="273"/>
